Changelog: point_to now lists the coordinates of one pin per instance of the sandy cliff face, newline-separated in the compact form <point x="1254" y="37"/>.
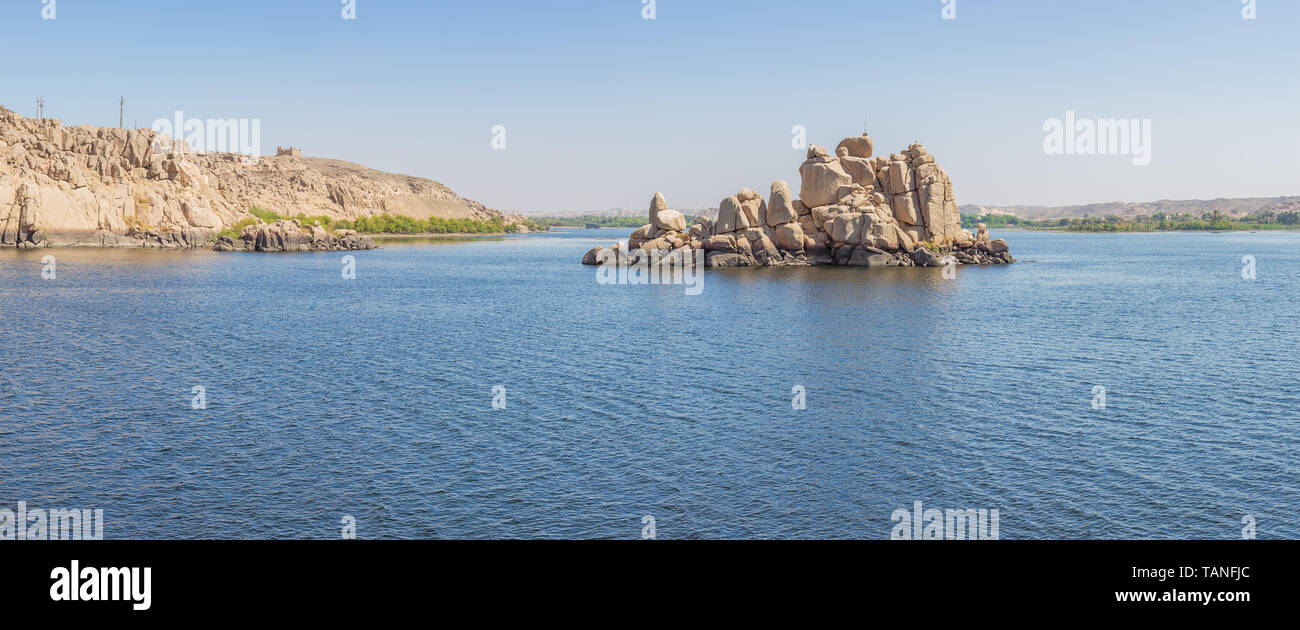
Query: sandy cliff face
<point x="90" y="185"/>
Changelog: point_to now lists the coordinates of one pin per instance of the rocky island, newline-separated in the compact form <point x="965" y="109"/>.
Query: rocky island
<point x="87" y="186"/>
<point x="853" y="209"/>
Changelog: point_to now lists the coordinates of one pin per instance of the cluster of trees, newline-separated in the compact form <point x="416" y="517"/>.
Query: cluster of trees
<point x="398" y="224"/>
<point x="1282" y="218"/>
<point x="603" y="221"/>
<point x="385" y="224"/>
<point x="1142" y="223"/>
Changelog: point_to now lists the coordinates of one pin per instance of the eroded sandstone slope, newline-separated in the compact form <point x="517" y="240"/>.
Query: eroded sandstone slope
<point x="103" y="186"/>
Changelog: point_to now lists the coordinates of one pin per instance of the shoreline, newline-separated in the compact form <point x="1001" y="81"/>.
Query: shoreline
<point x="584" y="227"/>
<point x="1066" y="231"/>
<point x="449" y="235"/>
<point x="105" y="241"/>
<point x="86" y="245"/>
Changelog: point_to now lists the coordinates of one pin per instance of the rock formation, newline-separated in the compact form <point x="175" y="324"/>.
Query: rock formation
<point x="105" y="187"/>
<point x="853" y="209"/>
<point x="292" y="236"/>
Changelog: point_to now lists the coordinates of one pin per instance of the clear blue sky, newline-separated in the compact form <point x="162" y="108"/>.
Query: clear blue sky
<point x="603" y="108"/>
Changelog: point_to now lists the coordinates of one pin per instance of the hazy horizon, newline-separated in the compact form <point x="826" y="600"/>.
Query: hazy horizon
<point x="603" y="108"/>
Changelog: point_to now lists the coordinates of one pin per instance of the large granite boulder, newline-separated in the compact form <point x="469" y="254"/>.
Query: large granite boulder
<point x="780" y="209"/>
<point x="643" y="233"/>
<point x="847" y="228"/>
<point x="906" y="210"/>
<point x="858" y="146"/>
<point x="790" y="237"/>
<point x="663" y="218"/>
<point x="720" y="243"/>
<point x="730" y="216"/>
<point x="752" y="207"/>
<point x="860" y="171"/>
<point x="821" y="177"/>
<point x="899" y="178"/>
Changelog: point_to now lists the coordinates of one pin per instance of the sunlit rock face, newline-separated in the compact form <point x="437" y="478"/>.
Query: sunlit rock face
<point x="102" y="186"/>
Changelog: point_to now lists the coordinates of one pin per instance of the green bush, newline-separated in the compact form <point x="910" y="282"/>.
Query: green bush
<point x="233" y="231"/>
<point x="265" y="215"/>
<point x="271" y="217"/>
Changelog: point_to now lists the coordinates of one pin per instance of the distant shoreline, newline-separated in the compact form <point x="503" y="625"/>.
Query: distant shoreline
<point x="473" y="235"/>
<point x="431" y="235"/>
<point x="1062" y="230"/>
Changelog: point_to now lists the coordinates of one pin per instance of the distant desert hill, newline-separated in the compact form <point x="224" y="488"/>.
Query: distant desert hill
<point x="407" y="195"/>
<point x="1129" y="210"/>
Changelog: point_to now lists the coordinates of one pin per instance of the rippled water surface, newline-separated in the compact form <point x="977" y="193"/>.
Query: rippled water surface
<point x="373" y="397"/>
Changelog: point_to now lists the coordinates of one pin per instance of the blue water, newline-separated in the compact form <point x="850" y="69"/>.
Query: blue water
<point x="373" y="397"/>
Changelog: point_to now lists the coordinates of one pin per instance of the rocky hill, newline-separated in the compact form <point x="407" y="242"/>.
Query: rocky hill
<point x="853" y="209"/>
<point x="101" y="186"/>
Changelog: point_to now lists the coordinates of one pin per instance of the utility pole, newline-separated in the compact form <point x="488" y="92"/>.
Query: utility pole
<point x="121" y="109"/>
<point x="40" y="108"/>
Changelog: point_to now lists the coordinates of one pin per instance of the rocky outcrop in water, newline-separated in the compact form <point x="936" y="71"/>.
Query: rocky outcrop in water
<point x="853" y="209"/>
<point x="107" y="187"/>
<point x="292" y="236"/>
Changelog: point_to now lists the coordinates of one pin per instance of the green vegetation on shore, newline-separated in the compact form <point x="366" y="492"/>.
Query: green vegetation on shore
<point x="398" y="224"/>
<point x="234" y="230"/>
<point x="386" y="224"/>
<point x="611" y="222"/>
<point x="271" y="217"/>
<point x="1159" y="222"/>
